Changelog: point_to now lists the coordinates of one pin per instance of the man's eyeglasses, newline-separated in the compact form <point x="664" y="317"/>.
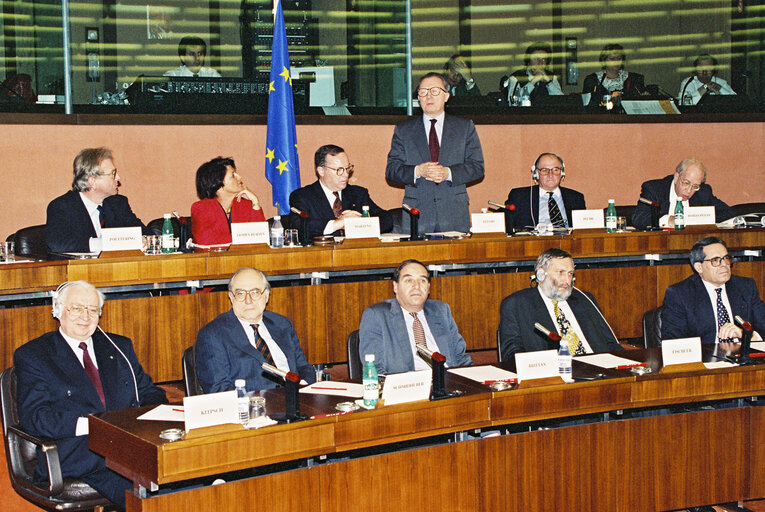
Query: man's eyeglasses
<point x="341" y="170"/>
<point x="434" y="91"/>
<point x="254" y="294"/>
<point x="549" y="170"/>
<point x="715" y="262"/>
<point x="112" y="174"/>
<point x="77" y="310"/>
<point x="687" y="184"/>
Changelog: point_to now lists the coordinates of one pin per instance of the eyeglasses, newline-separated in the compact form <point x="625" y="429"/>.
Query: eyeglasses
<point x="549" y="170"/>
<point x="113" y="174"/>
<point x="341" y="170"/>
<point x="687" y="184"/>
<point x="254" y="294"/>
<point x="715" y="262"/>
<point x="434" y="91"/>
<point x="77" y="310"/>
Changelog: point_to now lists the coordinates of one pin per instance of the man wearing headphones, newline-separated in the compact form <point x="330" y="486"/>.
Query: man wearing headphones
<point x="704" y="81"/>
<point x="553" y="204"/>
<point x="558" y="306"/>
<point x="77" y="370"/>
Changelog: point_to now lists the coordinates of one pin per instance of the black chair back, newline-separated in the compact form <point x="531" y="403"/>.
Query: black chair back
<point x="189" y="360"/>
<point x="747" y="208"/>
<point x="652" y="328"/>
<point x="30" y="241"/>
<point x="352" y="352"/>
<point x="182" y="233"/>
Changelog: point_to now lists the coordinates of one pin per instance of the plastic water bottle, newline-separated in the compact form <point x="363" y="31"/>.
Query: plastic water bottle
<point x="370" y="382"/>
<point x="365" y="211"/>
<point x="277" y="233"/>
<point x="525" y="100"/>
<point x="564" y="361"/>
<point x="611" y="217"/>
<point x="679" y="216"/>
<point x="242" y="401"/>
<point x="168" y="245"/>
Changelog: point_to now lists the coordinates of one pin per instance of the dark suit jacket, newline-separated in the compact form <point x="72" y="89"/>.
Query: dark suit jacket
<point x="688" y="311"/>
<point x="526" y="201"/>
<point x="519" y="311"/>
<point x="224" y="354"/>
<point x="461" y="89"/>
<point x="53" y="390"/>
<point x="383" y="333"/>
<point x="311" y="199"/>
<point x="209" y="225"/>
<point x="68" y="228"/>
<point x="633" y="86"/>
<point x="658" y="190"/>
<point x="443" y="205"/>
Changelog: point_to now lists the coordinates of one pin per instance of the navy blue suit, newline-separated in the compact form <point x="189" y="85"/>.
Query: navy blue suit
<point x="658" y="191"/>
<point x="224" y="354"/>
<point x="688" y="311"/>
<point x="53" y="390"/>
<point x="311" y="199"/>
<point x="383" y="333"/>
<point x="68" y="228"/>
<point x="526" y="201"/>
<point x="519" y="311"/>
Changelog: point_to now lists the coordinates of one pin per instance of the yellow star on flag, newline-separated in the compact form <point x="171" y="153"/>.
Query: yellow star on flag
<point x="270" y="153"/>
<point x="286" y="75"/>
<point x="282" y="167"/>
<point x="271" y="88"/>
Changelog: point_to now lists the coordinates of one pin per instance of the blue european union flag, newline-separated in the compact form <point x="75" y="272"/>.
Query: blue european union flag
<point x="282" y="166"/>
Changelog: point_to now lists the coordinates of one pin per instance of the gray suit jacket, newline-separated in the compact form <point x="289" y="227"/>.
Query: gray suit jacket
<point x="443" y="206"/>
<point x="383" y="333"/>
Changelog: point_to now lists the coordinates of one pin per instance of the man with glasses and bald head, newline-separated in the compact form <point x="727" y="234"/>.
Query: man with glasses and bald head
<point x="687" y="184"/>
<point x="235" y="344"/>
<point x="331" y="199"/>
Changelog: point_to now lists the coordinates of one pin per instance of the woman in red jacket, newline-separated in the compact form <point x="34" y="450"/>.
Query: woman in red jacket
<point x="224" y="199"/>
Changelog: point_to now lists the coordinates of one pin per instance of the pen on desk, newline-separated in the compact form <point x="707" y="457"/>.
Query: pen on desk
<point x="329" y="389"/>
<point x="628" y="366"/>
<point x="177" y="410"/>
<point x="489" y="382"/>
<point x="329" y="414"/>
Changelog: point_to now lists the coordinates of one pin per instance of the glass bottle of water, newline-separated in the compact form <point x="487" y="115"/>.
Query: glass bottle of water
<point x="370" y="382"/>
<point x="679" y="216"/>
<point x="611" y="217"/>
<point x="168" y="244"/>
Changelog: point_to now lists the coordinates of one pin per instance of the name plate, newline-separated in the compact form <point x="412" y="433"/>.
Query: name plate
<point x="699" y="215"/>
<point x="362" y="227"/>
<point x="681" y="351"/>
<point x="536" y="365"/>
<point x="211" y="409"/>
<point x="249" y="233"/>
<point x="121" y="239"/>
<point x="487" y="222"/>
<point x="588" y="219"/>
<point x="400" y="388"/>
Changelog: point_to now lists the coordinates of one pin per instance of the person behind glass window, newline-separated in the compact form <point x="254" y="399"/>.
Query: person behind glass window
<point x="536" y="79"/>
<point x="192" y="51"/>
<point x="612" y="79"/>
<point x="460" y="77"/>
<point x="703" y="82"/>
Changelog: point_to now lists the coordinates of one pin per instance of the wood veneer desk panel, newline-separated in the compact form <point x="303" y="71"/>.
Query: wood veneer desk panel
<point x="31" y="277"/>
<point x="271" y="261"/>
<point x="357" y="254"/>
<point x="140" y="269"/>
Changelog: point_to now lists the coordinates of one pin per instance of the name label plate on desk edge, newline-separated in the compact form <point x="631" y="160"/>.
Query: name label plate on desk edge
<point x="406" y="387"/>
<point x="487" y="222"/>
<point x="681" y="351"/>
<point x="536" y="365"/>
<point x="210" y="409"/>
<point x="121" y="239"/>
<point x="362" y="227"/>
<point x="699" y="215"/>
<point x="249" y="233"/>
<point x="588" y="219"/>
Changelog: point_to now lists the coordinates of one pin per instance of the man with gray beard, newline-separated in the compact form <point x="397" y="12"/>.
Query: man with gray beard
<point x="557" y="305"/>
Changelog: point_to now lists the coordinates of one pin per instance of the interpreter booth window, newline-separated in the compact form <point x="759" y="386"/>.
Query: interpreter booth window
<point x="349" y="57"/>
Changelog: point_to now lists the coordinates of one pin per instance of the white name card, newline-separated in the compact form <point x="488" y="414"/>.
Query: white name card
<point x="249" y="233"/>
<point x="211" y="409"/>
<point x="536" y="365"/>
<point x="588" y="219"/>
<point x="362" y="227"/>
<point x="121" y="239"/>
<point x="681" y="351"/>
<point x="699" y="215"/>
<point x="487" y="222"/>
<point x="405" y="387"/>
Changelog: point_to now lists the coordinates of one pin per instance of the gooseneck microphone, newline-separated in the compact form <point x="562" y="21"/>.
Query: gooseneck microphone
<point x="654" y="205"/>
<point x="509" y="211"/>
<point x="437" y="362"/>
<point x="414" y="216"/>
<point x="682" y="94"/>
<point x="547" y="333"/>
<point x="746" y="341"/>
<point x="292" y="403"/>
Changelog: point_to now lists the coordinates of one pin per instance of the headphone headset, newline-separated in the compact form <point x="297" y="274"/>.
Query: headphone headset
<point x="535" y="173"/>
<point x="57" y="309"/>
<point x="541" y="275"/>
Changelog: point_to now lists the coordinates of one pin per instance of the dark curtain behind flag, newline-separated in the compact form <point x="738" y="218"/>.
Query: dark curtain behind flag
<point x="282" y="166"/>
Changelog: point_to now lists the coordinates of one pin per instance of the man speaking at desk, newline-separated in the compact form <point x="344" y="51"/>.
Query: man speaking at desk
<point x="64" y="375"/>
<point x="392" y="329"/>
<point x="235" y="344"/>
<point x="559" y="307"/>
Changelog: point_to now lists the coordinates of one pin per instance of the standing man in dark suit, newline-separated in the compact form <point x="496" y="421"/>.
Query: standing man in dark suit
<point x="330" y="199"/>
<point x="554" y="204"/>
<point x="436" y="156"/>
<point x="64" y="375"/>
<point x="392" y="329"/>
<point x="688" y="185"/>
<point x="235" y="344"/>
<point x="557" y="305"/>
<point x="706" y="304"/>
<point x="76" y="218"/>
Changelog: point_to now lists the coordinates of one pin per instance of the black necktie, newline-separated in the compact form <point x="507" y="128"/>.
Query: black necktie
<point x="435" y="148"/>
<point x="100" y="209"/>
<point x="556" y="219"/>
<point x="260" y="344"/>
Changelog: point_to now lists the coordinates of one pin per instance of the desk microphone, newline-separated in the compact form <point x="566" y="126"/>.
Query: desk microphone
<point x="286" y="375"/>
<point x="414" y="216"/>
<point x="291" y="400"/>
<point x="509" y="211"/>
<point x="299" y="212"/>
<point x="746" y="340"/>
<point x="303" y="231"/>
<point x="649" y="202"/>
<point x="547" y="333"/>
<point x="437" y="362"/>
<point x="682" y="94"/>
<point x="654" y="205"/>
<point x="130" y="366"/>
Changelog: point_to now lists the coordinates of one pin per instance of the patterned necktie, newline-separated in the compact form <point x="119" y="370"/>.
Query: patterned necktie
<point x="418" y="331"/>
<point x="722" y="314"/>
<point x="337" y="206"/>
<point x="92" y="372"/>
<point x="100" y="215"/>
<point x="260" y="344"/>
<point x="435" y="148"/>
<point x="556" y="219"/>
<point x="574" y="343"/>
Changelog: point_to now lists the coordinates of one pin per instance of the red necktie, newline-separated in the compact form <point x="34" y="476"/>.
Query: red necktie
<point x="337" y="206"/>
<point x="92" y="372"/>
<point x="433" y="142"/>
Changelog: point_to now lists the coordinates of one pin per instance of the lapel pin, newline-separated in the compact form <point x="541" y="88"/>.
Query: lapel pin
<point x="111" y="357"/>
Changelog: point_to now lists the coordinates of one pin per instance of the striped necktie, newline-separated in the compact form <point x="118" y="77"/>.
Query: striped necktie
<point x="260" y="345"/>
<point x="556" y="219"/>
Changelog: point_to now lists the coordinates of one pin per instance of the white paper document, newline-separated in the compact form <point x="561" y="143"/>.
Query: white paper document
<point x="758" y="345"/>
<point x="483" y="373"/>
<point x="330" y="387"/>
<point x="164" y="413"/>
<point x="719" y="364"/>
<point x="606" y="360"/>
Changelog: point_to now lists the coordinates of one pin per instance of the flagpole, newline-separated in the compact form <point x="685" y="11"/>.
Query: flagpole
<point x="409" y="57"/>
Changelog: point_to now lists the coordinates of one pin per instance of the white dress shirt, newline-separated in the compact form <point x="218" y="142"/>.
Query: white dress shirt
<point x="184" y="71"/>
<point x="430" y="341"/>
<point x="566" y="310"/>
<point x="94" y="244"/>
<point x="280" y="360"/>
<point x="553" y="88"/>
<point x="693" y="89"/>
<point x="710" y="288"/>
<point x="544" y="213"/>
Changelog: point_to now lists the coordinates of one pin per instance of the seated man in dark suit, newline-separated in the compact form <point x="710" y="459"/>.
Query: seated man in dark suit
<point x="687" y="184"/>
<point x="235" y="344"/>
<point x="76" y="218"/>
<point x="553" y="204"/>
<point x="64" y="375"/>
<point x="392" y="329"/>
<point x="330" y="199"/>
<point x="706" y="304"/>
<point x="557" y="305"/>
